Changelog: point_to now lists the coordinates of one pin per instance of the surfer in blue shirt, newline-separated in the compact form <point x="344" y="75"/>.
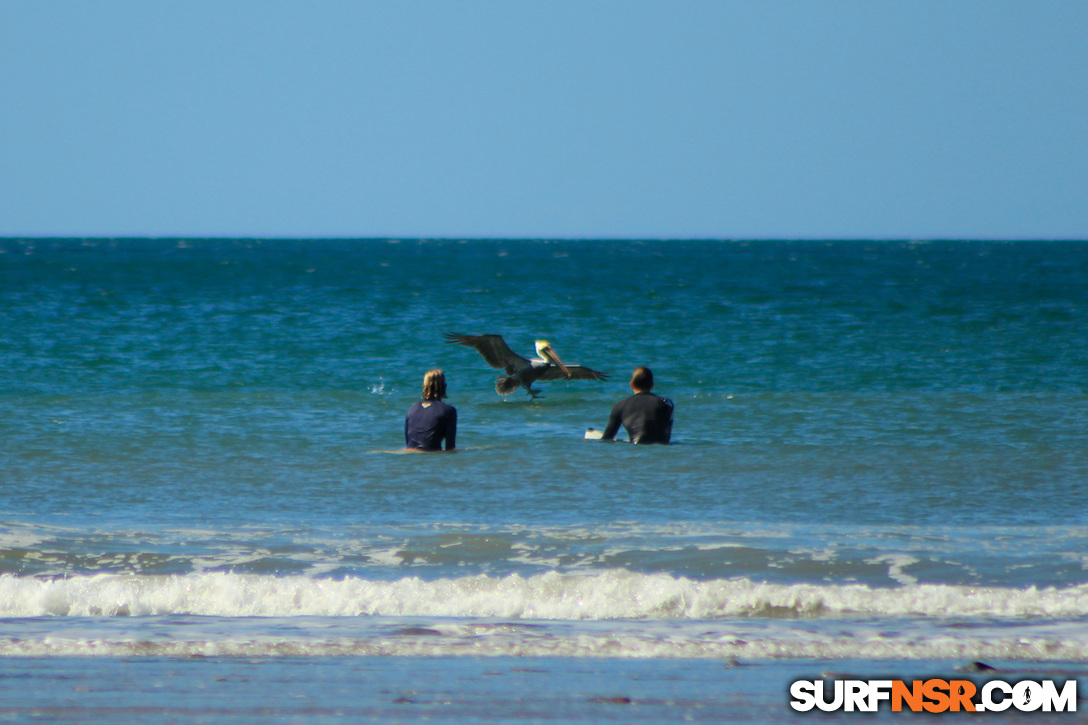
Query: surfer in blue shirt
<point x="646" y="417"/>
<point x="430" y="421"/>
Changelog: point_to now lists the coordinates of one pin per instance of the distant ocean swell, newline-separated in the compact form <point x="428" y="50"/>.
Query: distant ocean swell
<point x="607" y="595"/>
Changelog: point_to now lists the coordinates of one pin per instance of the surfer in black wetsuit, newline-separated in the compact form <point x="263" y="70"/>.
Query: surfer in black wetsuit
<point x="646" y="417"/>
<point x="430" y="421"/>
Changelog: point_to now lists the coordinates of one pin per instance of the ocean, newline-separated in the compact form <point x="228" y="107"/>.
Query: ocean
<point x="878" y="467"/>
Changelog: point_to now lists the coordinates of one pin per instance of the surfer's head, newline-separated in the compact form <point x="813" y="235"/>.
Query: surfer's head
<point x="642" y="380"/>
<point x="434" y="385"/>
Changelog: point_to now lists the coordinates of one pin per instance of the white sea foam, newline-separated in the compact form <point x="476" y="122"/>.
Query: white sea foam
<point x="754" y="640"/>
<point x="896" y="563"/>
<point x="605" y="595"/>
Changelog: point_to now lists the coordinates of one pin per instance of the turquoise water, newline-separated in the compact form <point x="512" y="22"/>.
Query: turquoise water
<point x="878" y="452"/>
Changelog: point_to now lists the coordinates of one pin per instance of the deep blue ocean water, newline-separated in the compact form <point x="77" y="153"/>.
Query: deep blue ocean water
<point x="879" y="452"/>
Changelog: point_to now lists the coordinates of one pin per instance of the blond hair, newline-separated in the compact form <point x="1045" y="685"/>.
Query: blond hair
<point x="434" y="385"/>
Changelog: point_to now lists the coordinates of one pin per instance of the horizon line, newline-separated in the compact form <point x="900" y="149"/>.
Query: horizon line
<point x="466" y="239"/>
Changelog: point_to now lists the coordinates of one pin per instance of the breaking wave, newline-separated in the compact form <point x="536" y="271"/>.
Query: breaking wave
<point x="606" y="595"/>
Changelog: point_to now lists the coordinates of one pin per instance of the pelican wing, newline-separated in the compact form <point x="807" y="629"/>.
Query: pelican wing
<point x="494" y="350"/>
<point x="577" y="372"/>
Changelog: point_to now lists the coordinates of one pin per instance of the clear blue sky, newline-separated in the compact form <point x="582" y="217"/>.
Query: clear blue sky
<point x="771" y="118"/>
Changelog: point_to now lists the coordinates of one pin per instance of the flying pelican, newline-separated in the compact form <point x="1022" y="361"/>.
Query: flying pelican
<point x="519" y="370"/>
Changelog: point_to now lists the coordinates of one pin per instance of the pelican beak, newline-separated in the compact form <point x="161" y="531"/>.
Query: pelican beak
<point x="550" y="356"/>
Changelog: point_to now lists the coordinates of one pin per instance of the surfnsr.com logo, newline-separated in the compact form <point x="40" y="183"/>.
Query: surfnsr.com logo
<point x="933" y="695"/>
